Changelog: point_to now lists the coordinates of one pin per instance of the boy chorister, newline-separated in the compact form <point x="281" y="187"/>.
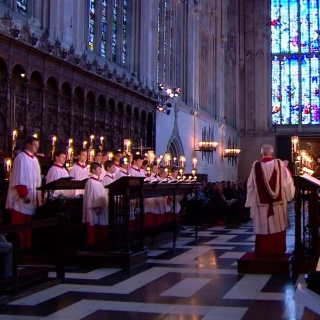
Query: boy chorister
<point x="123" y="172"/>
<point x="154" y="174"/>
<point x="117" y="155"/>
<point x="144" y="168"/>
<point x="174" y="172"/>
<point x="95" y="213"/>
<point x="80" y="170"/>
<point x="110" y="169"/>
<point x="57" y="171"/>
<point x="135" y="170"/>
<point x="99" y="158"/>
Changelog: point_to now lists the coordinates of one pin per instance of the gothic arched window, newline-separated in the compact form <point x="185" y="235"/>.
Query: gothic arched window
<point x="114" y="30"/>
<point x="92" y="16"/>
<point x="103" y="28"/>
<point x="295" y="62"/>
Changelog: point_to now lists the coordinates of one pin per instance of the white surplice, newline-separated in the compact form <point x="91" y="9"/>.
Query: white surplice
<point x="25" y="172"/>
<point x="57" y="172"/>
<point x="95" y="196"/>
<point x="79" y="172"/>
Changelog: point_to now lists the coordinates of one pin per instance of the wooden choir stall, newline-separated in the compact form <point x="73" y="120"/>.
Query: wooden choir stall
<point x="129" y="224"/>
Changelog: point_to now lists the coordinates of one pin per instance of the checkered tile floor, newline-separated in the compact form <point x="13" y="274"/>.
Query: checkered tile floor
<point x="198" y="280"/>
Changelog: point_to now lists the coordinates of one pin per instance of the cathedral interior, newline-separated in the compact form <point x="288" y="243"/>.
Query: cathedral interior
<point x="198" y="84"/>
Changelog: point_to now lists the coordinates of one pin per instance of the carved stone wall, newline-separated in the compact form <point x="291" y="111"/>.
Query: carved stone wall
<point x="53" y="97"/>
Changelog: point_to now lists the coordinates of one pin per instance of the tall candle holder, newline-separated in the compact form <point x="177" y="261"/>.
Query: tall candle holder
<point x="7" y="168"/>
<point x="14" y="141"/>
<point x="91" y="149"/>
<point x="167" y="159"/>
<point x="101" y="143"/>
<point x="69" y="154"/>
<point x="53" y="146"/>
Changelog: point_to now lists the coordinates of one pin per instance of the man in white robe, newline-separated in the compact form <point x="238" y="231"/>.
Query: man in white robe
<point x="23" y="197"/>
<point x="80" y="169"/>
<point x="269" y="189"/>
<point x="95" y="213"/>
<point x="57" y="171"/>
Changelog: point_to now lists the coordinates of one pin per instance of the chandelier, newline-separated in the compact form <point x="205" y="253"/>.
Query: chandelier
<point x="165" y="93"/>
<point x="232" y="152"/>
<point x="207" y="145"/>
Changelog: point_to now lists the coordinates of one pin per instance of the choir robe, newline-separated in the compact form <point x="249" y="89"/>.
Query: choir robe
<point x="56" y="172"/>
<point x="95" y="196"/>
<point x="121" y="173"/>
<point x="25" y="178"/>
<point x="169" y="199"/>
<point x="79" y="172"/>
<point x="268" y="190"/>
<point x="117" y="167"/>
<point x="153" y="204"/>
<point x="134" y="171"/>
<point x="108" y="179"/>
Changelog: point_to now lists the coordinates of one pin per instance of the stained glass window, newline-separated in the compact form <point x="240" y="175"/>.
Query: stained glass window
<point x="124" y="33"/>
<point x="103" y="28"/>
<point x="114" y="31"/>
<point x="92" y="13"/>
<point x="295" y="68"/>
<point x="22" y="6"/>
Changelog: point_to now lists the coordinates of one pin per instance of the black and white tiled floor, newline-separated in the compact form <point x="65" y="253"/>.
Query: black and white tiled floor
<point x="198" y="280"/>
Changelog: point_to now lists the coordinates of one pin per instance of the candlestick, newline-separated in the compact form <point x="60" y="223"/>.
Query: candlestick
<point x="182" y="161"/>
<point x="14" y="135"/>
<point x="84" y="144"/>
<point x="54" y="139"/>
<point x="194" y="163"/>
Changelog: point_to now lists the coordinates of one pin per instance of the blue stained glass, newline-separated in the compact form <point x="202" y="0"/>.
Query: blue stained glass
<point x="103" y="28"/>
<point x="295" y="35"/>
<point x="284" y="26"/>
<point x="91" y="24"/>
<point x="305" y="89"/>
<point x="295" y="89"/>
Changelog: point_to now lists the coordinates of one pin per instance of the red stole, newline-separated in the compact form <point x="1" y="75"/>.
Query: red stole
<point x="262" y="191"/>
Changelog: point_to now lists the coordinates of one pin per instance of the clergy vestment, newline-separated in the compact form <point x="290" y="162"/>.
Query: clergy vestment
<point x="56" y="172"/>
<point x="95" y="213"/>
<point x="79" y="172"/>
<point x="25" y="178"/>
<point x="268" y="190"/>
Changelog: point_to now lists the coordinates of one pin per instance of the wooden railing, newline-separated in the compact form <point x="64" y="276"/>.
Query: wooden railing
<point x="307" y="217"/>
<point x="12" y="231"/>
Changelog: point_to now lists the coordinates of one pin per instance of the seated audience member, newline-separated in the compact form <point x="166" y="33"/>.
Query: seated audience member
<point x="5" y="258"/>
<point x="220" y="205"/>
<point x="57" y="171"/>
<point x="110" y="170"/>
<point x="123" y="172"/>
<point x="95" y="214"/>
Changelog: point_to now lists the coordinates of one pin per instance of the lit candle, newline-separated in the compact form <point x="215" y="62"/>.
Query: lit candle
<point x="194" y="162"/>
<point x="35" y="135"/>
<point x="54" y="139"/>
<point x="69" y="155"/>
<point x="14" y="135"/>
<point x="70" y="142"/>
<point x="8" y="165"/>
<point x="84" y="144"/>
<point x="101" y="140"/>
<point x="110" y="155"/>
<point x="182" y="161"/>
<point x="91" y="138"/>
<point x="125" y="160"/>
